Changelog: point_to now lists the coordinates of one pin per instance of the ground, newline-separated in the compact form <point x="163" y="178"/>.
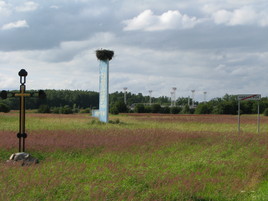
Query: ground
<point x="136" y="157"/>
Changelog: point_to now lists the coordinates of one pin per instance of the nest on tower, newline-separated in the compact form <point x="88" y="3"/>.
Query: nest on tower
<point x="104" y="54"/>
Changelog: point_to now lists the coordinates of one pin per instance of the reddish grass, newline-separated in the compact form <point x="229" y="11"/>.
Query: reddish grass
<point x="117" y="140"/>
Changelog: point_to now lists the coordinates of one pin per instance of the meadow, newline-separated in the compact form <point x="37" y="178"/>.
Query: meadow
<point x="136" y="157"/>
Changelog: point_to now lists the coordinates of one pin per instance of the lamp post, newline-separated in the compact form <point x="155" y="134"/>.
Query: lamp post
<point x="125" y="95"/>
<point x="150" y="100"/>
<point x="171" y="98"/>
<point x="174" y="96"/>
<point x="193" y="97"/>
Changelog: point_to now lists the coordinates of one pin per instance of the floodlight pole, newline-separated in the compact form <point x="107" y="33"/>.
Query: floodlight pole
<point x="192" y="97"/>
<point x="125" y="95"/>
<point x="150" y="100"/>
<point x="171" y="98"/>
<point x="174" y="96"/>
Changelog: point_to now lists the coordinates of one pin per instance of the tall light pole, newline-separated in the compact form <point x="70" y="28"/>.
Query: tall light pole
<point x="150" y="95"/>
<point x="174" y="96"/>
<point x="205" y="96"/>
<point x="125" y="95"/>
<point x="171" y="98"/>
<point x="193" y="97"/>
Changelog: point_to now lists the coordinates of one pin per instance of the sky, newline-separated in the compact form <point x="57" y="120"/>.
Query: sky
<point x="213" y="46"/>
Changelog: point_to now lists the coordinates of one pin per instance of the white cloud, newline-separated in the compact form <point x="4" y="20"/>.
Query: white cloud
<point x="67" y="50"/>
<point x="14" y="25"/>
<point x="171" y="19"/>
<point x="54" y="7"/>
<point x="4" y="8"/>
<point x="27" y="6"/>
<point x="240" y="16"/>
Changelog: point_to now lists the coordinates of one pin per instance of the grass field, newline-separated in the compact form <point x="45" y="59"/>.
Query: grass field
<point x="136" y="157"/>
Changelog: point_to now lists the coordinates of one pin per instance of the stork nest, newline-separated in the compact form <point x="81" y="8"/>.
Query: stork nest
<point x="104" y="54"/>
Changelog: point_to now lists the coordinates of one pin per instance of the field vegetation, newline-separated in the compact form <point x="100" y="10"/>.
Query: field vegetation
<point x="136" y="157"/>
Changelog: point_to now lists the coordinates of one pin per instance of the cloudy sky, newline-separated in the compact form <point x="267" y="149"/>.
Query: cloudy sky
<point x="217" y="46"/>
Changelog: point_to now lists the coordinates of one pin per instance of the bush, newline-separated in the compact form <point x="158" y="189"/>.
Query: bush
<point x="203" y="108"/>
<point x="175" y="110"/>
<point x="117" y="121"/>
<point x="55" y="110"/>
<point x="139" y="108"/>
<point x="118" y="107"/>
<point x="44" y="109"/>
<point x="75" y="109"/>
<point x="148" y="109"/>
<point x="66" y="110"/>
<point x="156" y="108"/>
<point x="226" y="107"/>
<point x="165" y="110"/>
<point x="186" y="110"/>
<point x="87" y="110"/>
<point x="114" y="110"/>
<point x="265" y="113"/>
<point x="4" y="108"/>
<point x="62" y="110"/>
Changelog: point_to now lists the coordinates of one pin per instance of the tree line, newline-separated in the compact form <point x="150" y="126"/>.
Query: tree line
<point x="70" y="101"/>
<point x="63" y="101"/>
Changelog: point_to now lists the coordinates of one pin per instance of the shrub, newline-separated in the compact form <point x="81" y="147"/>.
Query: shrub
<point x="148" y="109"/>
<point x="175" y="110"/>
<point x="186" y="110"/>
<point x="66" y="110"/>
<point x="87" y="110"/>
<point x="75" y="109"/>
<point x="165" y="110"/>
<point x="117" y="121"/>
<point x="4" y="108"/>
<point x="226" y="107"/>
<point x="114" y="110"/>
<point x="156" y="108"/>
<point x="203" y="108"/>
<point x="55" y="110"/>
<point x="44" y="109"/>
<point x="139" y="108"/>
<point x="118" y="107"/>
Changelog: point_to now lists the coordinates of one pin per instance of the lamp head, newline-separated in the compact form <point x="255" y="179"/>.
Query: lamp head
<point x="23" y="73"/>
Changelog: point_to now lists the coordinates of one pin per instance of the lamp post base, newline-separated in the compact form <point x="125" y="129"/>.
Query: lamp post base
<point x="23" y="159"/>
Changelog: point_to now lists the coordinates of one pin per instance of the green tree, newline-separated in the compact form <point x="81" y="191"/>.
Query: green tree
<point x="118" y="107"/>
<point x="203" y="108"/>
<point x="66" y="110"/>
<point x="156" y="108"/>
<point x="139" y="108"/>
<point x="4" y="108"/>
<point x="226" y="107"/>
<point x="175" y="110"/>
<point x="186" y="109"/>
<point x="165" y="110"/>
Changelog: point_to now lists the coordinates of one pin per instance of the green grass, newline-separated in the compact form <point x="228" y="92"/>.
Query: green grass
<point x="204" y="162"/>
<point x="63" y="122"/>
